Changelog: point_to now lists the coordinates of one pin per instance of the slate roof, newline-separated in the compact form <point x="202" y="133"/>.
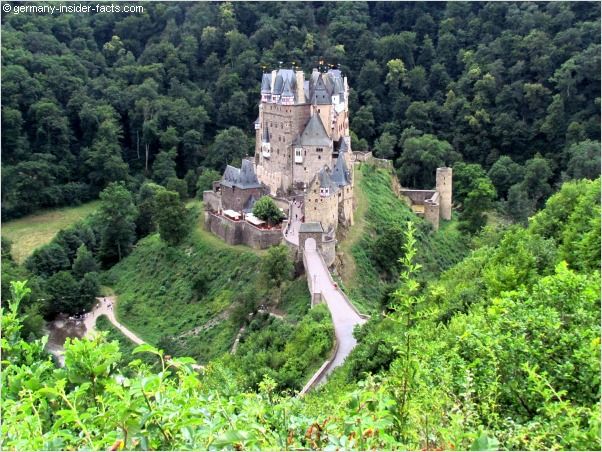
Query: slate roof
<point x="311" y="227"/>
<point x="325" y="179"/>
<point x="340" y="174"/>
<point x="287" y="91"/>
<point x="314" y="133"/>
<point x="266" y="84"/>
<point x="266" y="134"/>
<point x="322" y="86"/>
<point x="244" y="177"/>
<point x="318" y="89"/>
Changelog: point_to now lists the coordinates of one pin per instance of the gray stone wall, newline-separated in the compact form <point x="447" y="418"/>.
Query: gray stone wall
<point x="313" y="162"/>
<point x="241" y="232"/>
<point x="417" y="196"/>
<point x="328" y="250"/>
<point x="321" y="209"/>
<point x="235" y="198"/>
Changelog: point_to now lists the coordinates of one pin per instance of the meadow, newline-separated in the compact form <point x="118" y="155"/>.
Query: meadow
<point x="33" y="231"/>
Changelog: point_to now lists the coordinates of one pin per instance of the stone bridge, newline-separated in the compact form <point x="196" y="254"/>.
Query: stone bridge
<point x="323" y="288"/>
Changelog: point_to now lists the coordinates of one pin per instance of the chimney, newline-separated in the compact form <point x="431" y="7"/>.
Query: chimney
<point x="300" y="92"/>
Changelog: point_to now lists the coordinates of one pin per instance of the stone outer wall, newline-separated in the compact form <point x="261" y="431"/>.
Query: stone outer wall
<point x="212" y="200"/>
<point x="362" y="156"/>
<point x="345" y="200"/>
<point x="417" y="196"/>
<point x="328" y="251"/>
<point x="313" y="162"/>
<point x="241" y="232"/>
<point x="368" y="157"/>
<point x="431" y="210"/>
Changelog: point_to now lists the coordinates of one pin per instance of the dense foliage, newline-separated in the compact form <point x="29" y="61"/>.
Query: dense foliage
<point x="501" y="352"/>
<point x="90" y="99"/>
<point x="376" y="252"/>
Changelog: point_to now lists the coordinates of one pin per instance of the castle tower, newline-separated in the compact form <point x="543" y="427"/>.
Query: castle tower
<point x="444" y="187"/>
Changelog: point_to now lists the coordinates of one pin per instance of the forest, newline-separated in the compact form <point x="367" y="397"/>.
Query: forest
<point x="483" y="335"/>
<point x="172" y="92"/>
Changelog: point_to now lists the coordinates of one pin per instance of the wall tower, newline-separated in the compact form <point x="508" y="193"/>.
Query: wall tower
<point x="444" y="187"/>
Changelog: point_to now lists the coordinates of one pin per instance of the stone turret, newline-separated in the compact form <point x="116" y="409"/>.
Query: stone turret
<point x="444" y="187"/>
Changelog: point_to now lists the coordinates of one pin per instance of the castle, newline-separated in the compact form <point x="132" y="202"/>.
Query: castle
<point x="303" y="160"/>
<point x="302" y="152"/>
<point x="303" y="144"/>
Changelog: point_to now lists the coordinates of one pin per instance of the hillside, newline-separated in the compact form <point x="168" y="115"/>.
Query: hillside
<point x="193" y="299"/>
<point x="369" y="252"/>
<point x="501" y="352"/>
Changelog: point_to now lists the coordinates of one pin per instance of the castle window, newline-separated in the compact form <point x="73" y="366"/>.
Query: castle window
<point x="319" y="149"/>
<point x="319" y="157"/>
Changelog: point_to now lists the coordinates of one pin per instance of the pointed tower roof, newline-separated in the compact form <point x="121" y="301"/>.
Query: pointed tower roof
<point x="247" y="177"/>
<point x="343" y="146"/>
<point x="230" y="176"/>
<point x="287" y="90"/>
<point x="266" y="82"/>
<point x="315" y="133"/>
<point x="325" y="179"/>
<point x="340" y="174"/>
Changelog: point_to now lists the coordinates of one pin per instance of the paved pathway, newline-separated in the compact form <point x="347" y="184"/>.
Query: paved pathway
<point x="343" y="315"/>
<point x="106" y="306"/>
<point x="292" y="233"/>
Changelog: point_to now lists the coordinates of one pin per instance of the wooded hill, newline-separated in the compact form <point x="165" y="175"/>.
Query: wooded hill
<point x="90" y="99"/>
<point x="501" y="352"/>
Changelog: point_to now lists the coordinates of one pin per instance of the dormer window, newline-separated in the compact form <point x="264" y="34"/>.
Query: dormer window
<point x="324" y="191"/>
<point x="298" y="155"/>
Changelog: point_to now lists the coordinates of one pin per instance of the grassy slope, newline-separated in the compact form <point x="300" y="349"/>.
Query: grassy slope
<point x="34" y="230"/>
<point x="377" y="207"/>
<point x="166" y="291"/>
<point x="190" y="292"/>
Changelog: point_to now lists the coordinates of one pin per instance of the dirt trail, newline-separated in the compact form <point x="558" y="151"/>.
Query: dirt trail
<point x="106" y="306"/>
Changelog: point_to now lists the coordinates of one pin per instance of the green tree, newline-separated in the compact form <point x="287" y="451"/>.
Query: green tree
<point x="84" y="262"/>
<point x="63" y="290"/>
<point x="477" y="201"/>
<point x="89" y="288"/>
<point x="584" y="160"/>
<point x="47" y="260"/>
<point x="277" y="266"/>
<point x="384" y="147"/>
<point x="266" y="209"/>
<point x="363" y="122"/>
<point x="117" y="215"/>
<point x="419" y="159"/>
<point x="172" y="217"/>
<point x="164" y="166"/>
<point x="103" y="160"/>
<point x="229" y="147"/>
<point x="177" y="185"/>
<point x="504" y="173"/>
<point x="205" y="181"/>
<point x="519" y="206"/>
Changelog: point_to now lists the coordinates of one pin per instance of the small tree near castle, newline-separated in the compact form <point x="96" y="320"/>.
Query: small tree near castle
<point x="266" y="209"/>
